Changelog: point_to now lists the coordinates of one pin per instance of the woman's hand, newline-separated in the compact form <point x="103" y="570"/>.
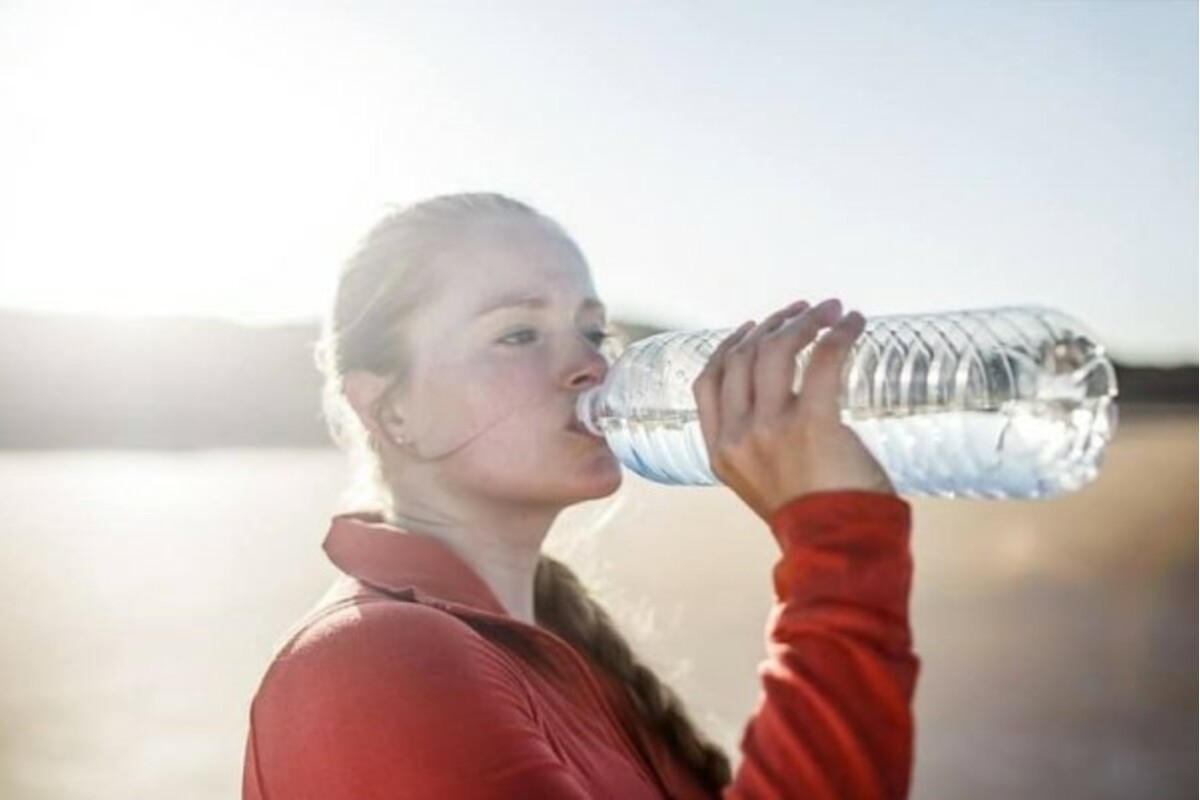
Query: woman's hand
<point x="767" y="443"/>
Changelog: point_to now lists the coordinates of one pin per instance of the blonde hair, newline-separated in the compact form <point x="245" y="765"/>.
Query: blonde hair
<point x="377" y="289"/>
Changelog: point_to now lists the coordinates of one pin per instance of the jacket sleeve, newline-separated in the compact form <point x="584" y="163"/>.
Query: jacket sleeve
<point x="834" y="718"/>
<point x="402" y="702"/>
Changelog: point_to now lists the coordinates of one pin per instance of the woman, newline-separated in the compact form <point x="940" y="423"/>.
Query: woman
<point x="452" y="659"/>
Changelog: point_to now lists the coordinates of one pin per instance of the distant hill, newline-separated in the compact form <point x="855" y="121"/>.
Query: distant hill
<point x="70" y="381"/>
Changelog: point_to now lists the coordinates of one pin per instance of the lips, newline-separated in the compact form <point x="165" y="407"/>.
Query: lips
<point x="575" y="426"/>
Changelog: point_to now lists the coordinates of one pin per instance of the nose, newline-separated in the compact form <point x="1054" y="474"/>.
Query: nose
<point x="588" y="365"/>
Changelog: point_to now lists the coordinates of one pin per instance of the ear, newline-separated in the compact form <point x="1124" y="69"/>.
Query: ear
<point x="365" y="392"/>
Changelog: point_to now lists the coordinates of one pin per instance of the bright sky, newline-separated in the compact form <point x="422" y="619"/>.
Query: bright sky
<point x="714" y="160"/>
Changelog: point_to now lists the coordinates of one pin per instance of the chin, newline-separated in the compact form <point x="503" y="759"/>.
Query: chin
<point x="601" y="483"/>
<point x="612" y="485"/>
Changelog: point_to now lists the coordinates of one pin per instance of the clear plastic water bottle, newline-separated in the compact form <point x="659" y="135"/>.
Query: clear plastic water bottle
<point x="1014" y="402"/>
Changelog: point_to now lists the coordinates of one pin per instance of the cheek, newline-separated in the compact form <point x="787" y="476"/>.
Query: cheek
<point x="518" y="407"/>
<point x="484" y="402"/>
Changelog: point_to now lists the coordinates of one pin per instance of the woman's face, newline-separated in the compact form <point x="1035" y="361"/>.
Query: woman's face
<point x="499" y="355"/>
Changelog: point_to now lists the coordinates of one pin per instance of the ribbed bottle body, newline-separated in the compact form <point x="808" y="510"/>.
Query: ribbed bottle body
<point x="1014" y="402"/>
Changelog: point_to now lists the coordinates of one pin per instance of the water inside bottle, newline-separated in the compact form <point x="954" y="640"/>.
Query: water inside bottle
<point x="1026" y="448"/>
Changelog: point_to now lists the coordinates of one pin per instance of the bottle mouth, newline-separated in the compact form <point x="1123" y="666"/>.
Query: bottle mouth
<point x="585" y="410"/>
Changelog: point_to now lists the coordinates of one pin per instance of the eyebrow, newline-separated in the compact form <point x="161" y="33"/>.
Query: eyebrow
<point x="531" y="301"/>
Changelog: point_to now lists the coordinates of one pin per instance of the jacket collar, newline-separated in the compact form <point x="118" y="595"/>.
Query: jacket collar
<point x="364" y="546"/>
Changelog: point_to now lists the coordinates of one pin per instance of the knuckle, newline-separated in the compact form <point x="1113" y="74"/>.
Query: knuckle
<point x="831" y="333"/>
<point x="772" y="428"/>
<point x="842" y="332"/>
<point x="732" y="444"/>
<point x="751" y="441"/>
<point x="740" y="352"/>
<point x="778" y="346"/>
<point x="832" y="358"/>
<point x="799" y="329"/>
<point x="805" y="427"/>
<point x="820" y="355"/>
<point x="829" y="345"/>
<point x="759" y="440"/>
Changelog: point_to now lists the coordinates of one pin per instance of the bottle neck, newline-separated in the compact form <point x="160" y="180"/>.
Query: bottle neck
<point x="588" y="407"/>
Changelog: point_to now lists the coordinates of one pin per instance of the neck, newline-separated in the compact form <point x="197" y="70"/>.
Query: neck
<point x="503" y="548"/>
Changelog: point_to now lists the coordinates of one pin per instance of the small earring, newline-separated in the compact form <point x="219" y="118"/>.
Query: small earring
<point x="405" y="443"/>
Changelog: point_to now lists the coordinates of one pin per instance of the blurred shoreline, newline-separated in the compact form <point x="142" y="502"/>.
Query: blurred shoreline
<point x="84" y="382"/>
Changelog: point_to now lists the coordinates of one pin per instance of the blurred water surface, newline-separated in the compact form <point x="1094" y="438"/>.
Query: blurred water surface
<point x="144" y="591"/>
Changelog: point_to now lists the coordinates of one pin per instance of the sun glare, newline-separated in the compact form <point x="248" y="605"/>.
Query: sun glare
<point x="161" y="168"/>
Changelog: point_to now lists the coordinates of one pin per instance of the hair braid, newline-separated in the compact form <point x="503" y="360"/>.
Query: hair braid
<point x="563" y="604"/>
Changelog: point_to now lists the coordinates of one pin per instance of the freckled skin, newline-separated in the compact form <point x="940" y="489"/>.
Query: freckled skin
<point x="490" y="397"/>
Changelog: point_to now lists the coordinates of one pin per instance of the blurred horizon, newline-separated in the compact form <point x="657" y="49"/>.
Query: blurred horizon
<point x="643" y="323"/>
<point x="174" y="382"/>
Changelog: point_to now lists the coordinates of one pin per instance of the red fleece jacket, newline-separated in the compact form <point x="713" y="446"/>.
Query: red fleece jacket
<point x="410" y="680"/>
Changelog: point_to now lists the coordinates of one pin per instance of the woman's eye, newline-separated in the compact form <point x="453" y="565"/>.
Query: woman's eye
<point x="520" y="333"/>
<point x="526" y="335"/>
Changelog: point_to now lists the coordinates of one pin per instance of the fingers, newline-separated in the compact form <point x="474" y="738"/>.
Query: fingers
<point x="737" y="381"/>
<point x="776" y="370"/>
<point x="820" y="392"/>
<point x="707" y="387"/>
<point x="773" y="322"/>
<point x="713" y="379"/>
<point x="752" y="370"/>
